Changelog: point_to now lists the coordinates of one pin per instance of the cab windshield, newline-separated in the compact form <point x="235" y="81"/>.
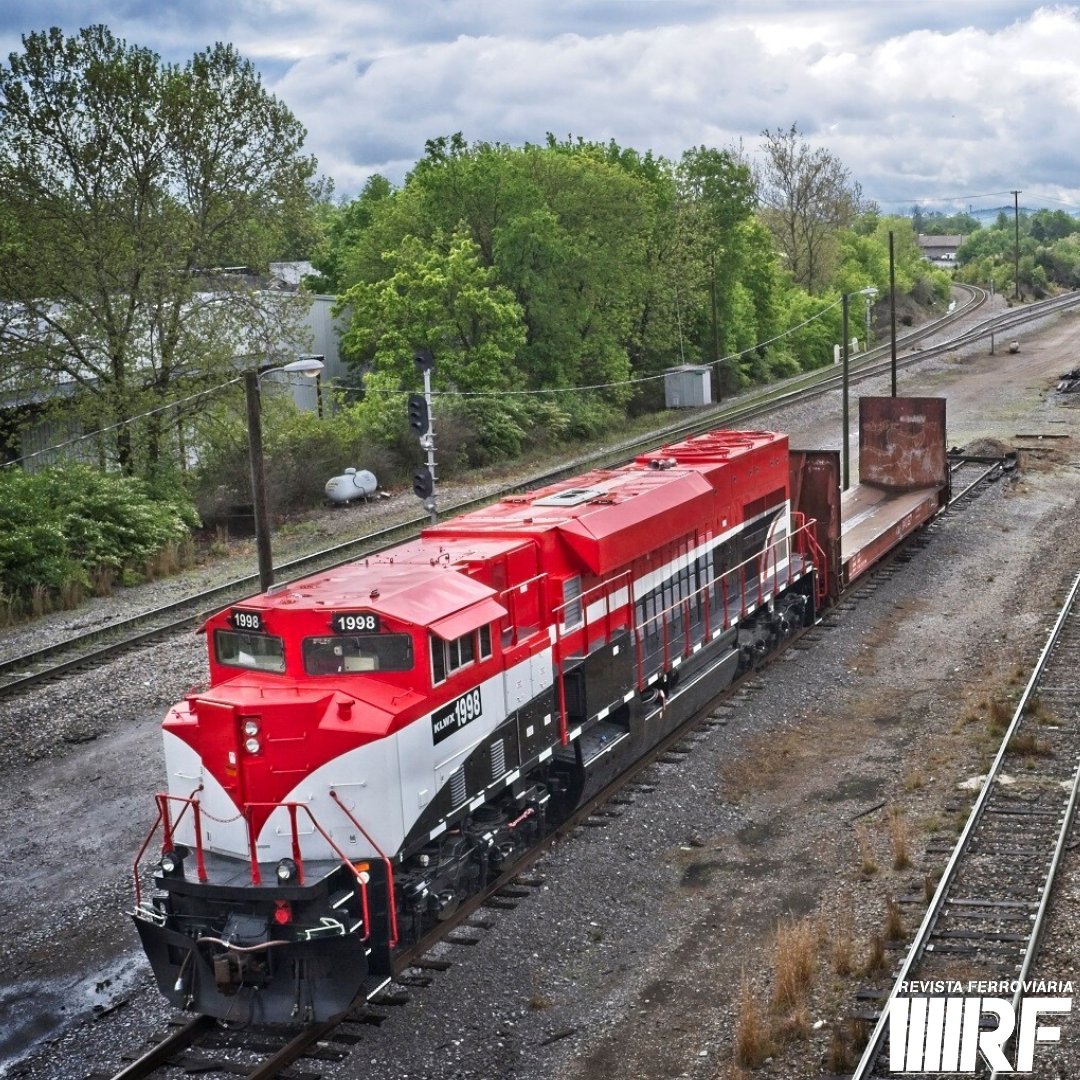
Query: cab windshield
<point x="258" y="652"/>
<point x="357" y="652"/>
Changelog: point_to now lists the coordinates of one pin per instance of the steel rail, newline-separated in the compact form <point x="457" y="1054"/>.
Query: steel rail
<point x="1044" y="901"/>
<point x="292" y="1051"/>
<point x="161" y="1053"/>
<point x="15" y="679"/>
<point x="867" y="1062"/>
<point x="980" y="479"/>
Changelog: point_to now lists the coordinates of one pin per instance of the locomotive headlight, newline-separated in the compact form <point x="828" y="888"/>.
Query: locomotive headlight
<point x="172" y="863"/>
<point x="251" y="727"/>
<point x="252" y="745"/>
<point x="286" y="870"/>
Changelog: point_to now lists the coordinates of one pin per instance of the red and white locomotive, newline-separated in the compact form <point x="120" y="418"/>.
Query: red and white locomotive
<point x="379" y="741"/>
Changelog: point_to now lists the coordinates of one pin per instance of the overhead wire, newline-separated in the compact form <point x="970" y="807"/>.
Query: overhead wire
<point x="97" y="433"/>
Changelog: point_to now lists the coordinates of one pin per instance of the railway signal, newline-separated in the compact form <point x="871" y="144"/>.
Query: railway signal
<point x="419" y="417"/>
<point x="422" y="421"/>
<point x="423" y="483"/>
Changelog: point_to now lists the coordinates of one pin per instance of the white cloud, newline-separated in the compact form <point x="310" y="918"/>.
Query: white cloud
<point x="920" y="100"/>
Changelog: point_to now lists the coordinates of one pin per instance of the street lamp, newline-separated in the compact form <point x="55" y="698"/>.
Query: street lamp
<point x="306" y="365"/>
<point x="845" y="452"/>
<point x="317" y="372"/>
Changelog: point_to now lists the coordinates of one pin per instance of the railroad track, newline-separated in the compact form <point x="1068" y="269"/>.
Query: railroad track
<point x="84" y="651"/>
<point x="985" y="921"/>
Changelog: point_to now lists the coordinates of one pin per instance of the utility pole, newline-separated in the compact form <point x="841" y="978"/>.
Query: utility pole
<point x="845" y="450"/>
<point x="844" y="445"/>
<point x="1016" y="241"/>
<point x="892" y="309"/>
<point x="715" y="325"/>
<point x="258" y="479"/>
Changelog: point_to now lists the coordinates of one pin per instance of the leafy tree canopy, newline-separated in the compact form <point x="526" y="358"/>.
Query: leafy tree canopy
<point x="128" y="186"/>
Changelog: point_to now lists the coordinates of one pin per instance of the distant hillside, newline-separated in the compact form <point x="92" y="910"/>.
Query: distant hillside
<point x="988" y="215"/>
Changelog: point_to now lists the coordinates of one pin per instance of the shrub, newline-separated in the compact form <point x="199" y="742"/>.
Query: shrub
<point x="64" y="530"/>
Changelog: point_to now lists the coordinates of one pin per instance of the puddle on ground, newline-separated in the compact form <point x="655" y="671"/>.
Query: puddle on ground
<point x="41" y="1008"/>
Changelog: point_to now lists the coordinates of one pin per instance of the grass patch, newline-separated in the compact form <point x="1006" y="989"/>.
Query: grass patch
<point x="794" y="962"/>
<point x="930" y="884"/>
<point x="753" y="1037"/>
<point x="1041" y="713"/>
<point x="868" y="866"/>
<point x="914" y="781"/>
<point x="1000" y="715"/>
<point x="794" y="1027"/>
<point x="841" y="1055"/>
<point x="842" y="943"/>
<point x="900" y="839"/>
<point x="1028" y="745"/>
<point x="875" y="955"/>
<point x="894" y="924"/>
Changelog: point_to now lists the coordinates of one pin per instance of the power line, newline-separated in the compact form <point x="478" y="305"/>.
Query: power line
<point x="121" y="423"/>
<point x="962" y="198"/>
<point x="403" y="393"/>
<point x="592" y="386"/>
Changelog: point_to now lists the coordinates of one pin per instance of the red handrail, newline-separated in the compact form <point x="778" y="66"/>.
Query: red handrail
<point x="138" y="857"/>
<point x="292" y="808"/>
<point x="163" y="799"/>
<point x="386" y="860"/>
<point x="767" y="579"/>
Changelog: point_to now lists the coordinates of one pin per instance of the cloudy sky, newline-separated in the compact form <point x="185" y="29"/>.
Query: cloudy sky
<point x="944" y="103"/>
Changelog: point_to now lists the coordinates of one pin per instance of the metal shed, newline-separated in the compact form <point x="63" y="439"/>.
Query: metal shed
<point x="687" y="386"/>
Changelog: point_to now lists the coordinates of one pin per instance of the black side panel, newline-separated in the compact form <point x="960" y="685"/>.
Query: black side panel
<point x="538" y="724"/>
<point x="599" y="680"/>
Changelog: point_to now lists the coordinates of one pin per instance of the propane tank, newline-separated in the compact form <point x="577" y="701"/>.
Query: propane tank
<point x="350" y="485"/>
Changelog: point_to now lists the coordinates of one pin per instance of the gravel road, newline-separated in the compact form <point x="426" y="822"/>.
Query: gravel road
<point x="628" y="961"/>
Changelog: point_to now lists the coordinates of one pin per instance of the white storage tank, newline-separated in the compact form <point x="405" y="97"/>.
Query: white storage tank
<point x="350" y="485"/>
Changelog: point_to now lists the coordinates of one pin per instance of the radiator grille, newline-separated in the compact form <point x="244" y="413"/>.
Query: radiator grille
<point x="498" y="758"/>
<point x="457" y="787"/>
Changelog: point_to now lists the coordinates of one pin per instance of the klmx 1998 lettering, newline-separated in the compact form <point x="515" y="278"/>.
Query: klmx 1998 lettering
<point x="455" y="715"/>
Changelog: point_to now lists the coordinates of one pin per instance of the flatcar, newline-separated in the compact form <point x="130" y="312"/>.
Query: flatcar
<point x="379" y="742"/>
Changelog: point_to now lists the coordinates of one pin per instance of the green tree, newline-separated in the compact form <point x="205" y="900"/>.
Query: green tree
<point x="564" y="228"/>
<point x="128" y="186"/>
<point x="1060" y="261"/>
<point x="1049" y="225"/>
<point x="343" y="227"/>
<point x="439" y="295"/>
<point x="936" y="223"/>
<point x="807" y="195"/>
<point x="716" y="196"/>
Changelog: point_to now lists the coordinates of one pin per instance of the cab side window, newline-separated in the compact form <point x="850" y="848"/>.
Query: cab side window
<point x="449" y="656"/>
